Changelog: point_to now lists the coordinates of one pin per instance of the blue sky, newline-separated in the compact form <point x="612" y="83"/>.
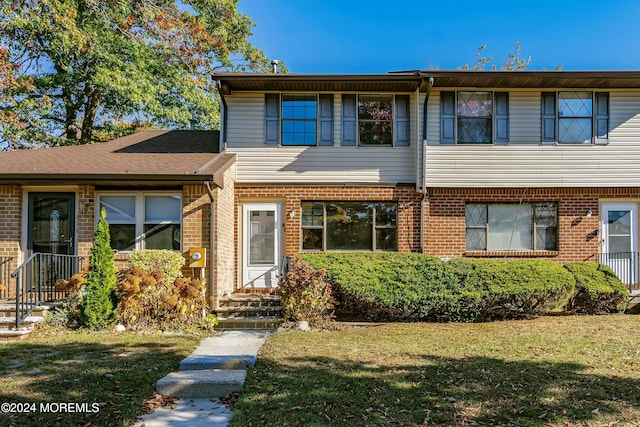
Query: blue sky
<point x="355" y="36"/>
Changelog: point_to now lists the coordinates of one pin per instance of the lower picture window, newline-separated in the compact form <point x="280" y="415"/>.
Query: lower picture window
<point x="334" y="226"/>
<point x="143" y="221"/>
<point x="511" y="227"/>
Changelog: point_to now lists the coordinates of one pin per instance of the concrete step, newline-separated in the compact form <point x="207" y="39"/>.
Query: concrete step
<point x="205" y="361"/>
<point x="9" y="309"/>
<point x="9" y="335"/>
<point x="202" y="383"/>
<point x="249" y="300"/>
<point x="250" y="322"/>
<point x="10" y="321"/>
<point x="243" y="312"/>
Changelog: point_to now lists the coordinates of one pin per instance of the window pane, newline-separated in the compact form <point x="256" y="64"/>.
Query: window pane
<point x="375" y="107"/>
<point x="575" y="104"/>
<point x="376" y="132"/>
<point x="262" y="244"/>
<point x="546" y="239"/>
<point x="162" y="208"/>
<point x="474" y="130"/>
<point x="349" y="226"/>
<point x="476" y="215"/>
<point x="120" y="209"/>
<point x="476" y="239"/>
<point x="510" y="227"/>
<point x="475" y="104"/>
<point x="386" y="239"/>
<point x="123" y="236"/>
<point x="312" y="239"/>
<point x="162" y="236"/>
<point x="574" y="130"/>
<point x="312" y="214"/>
<point x="546" y="214"/>
<point x="619" y="222"/>
<point x="386" y="214"/>
<point x="299" y="120"/>
<point x="619" y="244"/>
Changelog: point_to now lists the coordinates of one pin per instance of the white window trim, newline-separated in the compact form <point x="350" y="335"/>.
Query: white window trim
<point x="139" y="213"/>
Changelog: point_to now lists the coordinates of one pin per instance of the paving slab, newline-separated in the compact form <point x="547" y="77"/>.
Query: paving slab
<point x="203" y="383"/>
<point x="189" y="413"/>
<point x="205" y="361"/>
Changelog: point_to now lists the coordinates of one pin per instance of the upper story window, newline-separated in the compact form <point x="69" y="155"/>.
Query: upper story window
<point x="575" y="117"/>
<point x="375" y="119"/>
<point x="474" y="117"/>
<point x="298" y="119"/>
<point x="299" y="116"/>
<point x="143" y="221"/>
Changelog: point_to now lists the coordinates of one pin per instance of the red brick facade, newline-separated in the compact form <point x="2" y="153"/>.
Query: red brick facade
<point x="578" y="234"/>
<point x="292" y="196"/>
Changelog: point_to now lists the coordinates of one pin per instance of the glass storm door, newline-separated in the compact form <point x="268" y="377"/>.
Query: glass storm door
<point x="261" y="245"/>
<point x="619" y="240"/>
<point x="51" y="223"/>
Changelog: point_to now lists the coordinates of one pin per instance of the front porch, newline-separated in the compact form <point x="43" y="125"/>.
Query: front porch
<point x="30" y="290"/>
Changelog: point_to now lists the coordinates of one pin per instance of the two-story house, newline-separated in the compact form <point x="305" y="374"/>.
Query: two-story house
<point x="449" y="163"/>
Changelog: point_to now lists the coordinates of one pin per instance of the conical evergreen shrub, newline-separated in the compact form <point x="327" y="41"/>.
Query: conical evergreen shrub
<point x="98" y="308"/>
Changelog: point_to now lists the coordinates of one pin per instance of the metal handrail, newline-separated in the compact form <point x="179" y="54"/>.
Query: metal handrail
<point x="5" y="275"/>
<point x="624" y="264"/>
<point x="36" y="278"/>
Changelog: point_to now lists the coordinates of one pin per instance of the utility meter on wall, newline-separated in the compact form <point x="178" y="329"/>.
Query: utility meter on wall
<point x="197" y="257"/>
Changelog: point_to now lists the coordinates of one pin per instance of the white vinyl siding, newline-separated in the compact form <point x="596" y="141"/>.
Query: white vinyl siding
<point x="524" y="162"/>
<point x="258" y="163"/>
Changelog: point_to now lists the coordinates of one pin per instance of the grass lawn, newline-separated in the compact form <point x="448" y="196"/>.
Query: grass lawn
<point x="550" y="371"/>
<point x="115" y="371"/>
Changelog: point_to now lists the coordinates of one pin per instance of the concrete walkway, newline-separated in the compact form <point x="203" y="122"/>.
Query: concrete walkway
<point x="215" y="369"/>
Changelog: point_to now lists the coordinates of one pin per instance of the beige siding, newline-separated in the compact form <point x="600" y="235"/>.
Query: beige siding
<point x="527" y="163"/>
<point x="260" y="163"/>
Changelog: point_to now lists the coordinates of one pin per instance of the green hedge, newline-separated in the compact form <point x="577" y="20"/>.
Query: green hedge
<point x="597" y="291"/>
<point x="409" y="287"/>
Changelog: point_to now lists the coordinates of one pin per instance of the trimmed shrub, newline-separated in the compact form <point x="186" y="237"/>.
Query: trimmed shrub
<point x="98" y="307"/>
<point x="597" y="291"/>
<point x="410" y="287"/>
<point x="169" y="262"/>
<point x="305" y="294"/>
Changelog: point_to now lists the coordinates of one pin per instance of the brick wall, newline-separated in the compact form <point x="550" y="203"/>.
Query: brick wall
<point x="86" y="220"/>
<point x="225" y="244"/>
<point x="10" y="231"/>
<point x="577" y="233"/>
<point x="291" y="198"/>
<point x="196" y="223"/>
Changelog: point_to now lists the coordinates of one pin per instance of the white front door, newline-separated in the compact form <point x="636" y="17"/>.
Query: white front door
<point x="262" y="227"/>
<point x="620" y="240"/>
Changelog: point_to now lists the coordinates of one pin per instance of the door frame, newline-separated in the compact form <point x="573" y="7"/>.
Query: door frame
<point x="631" y="206"/>
<point x="244" y="230"/>
<point x="24" y="254"/>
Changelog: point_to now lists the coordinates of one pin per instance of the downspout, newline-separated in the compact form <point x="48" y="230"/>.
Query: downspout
<point x="223" y="119"/>
<point x="212" y="247"/>
<point x="425" y="196"/>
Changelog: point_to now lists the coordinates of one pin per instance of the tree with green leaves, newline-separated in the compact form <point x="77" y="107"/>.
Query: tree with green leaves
<point x="98" y="308"/>
<point x="88" y="70"/>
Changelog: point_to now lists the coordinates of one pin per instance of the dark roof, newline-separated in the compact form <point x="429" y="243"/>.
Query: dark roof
<point x="145" y="158"/>
<point x="408" y="81"/>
